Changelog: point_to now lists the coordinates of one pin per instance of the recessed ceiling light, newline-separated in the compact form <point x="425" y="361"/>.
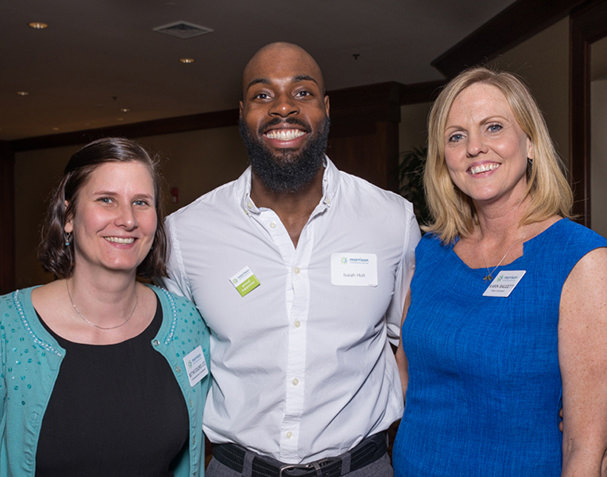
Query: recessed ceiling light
<point x="37" y="25"/>
<point x="186" y="61"/>
<point x="124" y="110"/>
<point x="22" y="93"/>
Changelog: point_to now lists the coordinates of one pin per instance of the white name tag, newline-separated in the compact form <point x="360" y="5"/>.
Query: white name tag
<point x="195" y="366"/>
<point x="504" y="283"/>
<point x="354" y="269"/>
<point x="245" y="281"/>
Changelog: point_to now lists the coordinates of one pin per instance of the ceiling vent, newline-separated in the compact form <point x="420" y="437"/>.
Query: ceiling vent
<point x="183" y="29"/>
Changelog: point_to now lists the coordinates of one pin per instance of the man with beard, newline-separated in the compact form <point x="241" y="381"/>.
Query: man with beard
<point x="301" y="272"/>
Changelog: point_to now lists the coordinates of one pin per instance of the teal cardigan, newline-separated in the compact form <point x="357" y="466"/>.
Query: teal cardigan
<point x="31" y="359"/>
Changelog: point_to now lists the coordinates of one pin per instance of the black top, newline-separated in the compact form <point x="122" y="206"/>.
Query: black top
<point x="115" y="410"/>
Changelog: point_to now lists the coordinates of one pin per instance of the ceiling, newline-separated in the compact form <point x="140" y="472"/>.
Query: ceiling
<point x="98" y="57"/>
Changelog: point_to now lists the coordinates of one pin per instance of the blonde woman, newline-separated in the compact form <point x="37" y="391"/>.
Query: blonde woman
<point x="508" y="309"/>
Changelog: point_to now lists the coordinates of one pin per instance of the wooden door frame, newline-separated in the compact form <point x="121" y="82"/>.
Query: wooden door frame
<point x="587" y="25"/>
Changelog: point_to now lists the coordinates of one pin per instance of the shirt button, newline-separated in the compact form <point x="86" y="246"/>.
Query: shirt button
<point x="272" y="225"/>
<point x="297" y="323"/>
<point x="178" y="369"/>
<point x="296" y="270"/>
<point x="289" y="435"/>
<point x="295" y="381"/>
<point x="155" y="342"/>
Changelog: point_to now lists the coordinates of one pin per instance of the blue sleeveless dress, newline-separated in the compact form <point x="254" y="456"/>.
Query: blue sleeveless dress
<point x="484" y="389"/>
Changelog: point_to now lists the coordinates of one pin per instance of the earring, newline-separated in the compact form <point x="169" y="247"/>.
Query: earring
<point x="68" y="239"/>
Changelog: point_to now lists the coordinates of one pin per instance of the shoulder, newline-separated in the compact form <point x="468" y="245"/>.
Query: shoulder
<point x="18" y="315"/>
<point x="432" y="244"/>
<point x="215" y="201"/>
<point x="5" y="300"/>
<point x="13" y="304"/>
<point x="580" y="233"/>
<point x="172" y="300"/>
<point x="176" y="306"/>
<point x="570" y="240"/>
<point x="588" y="249"/>
<point x="8" y="311"/>
<point x="354" y="184"/>
<point x="378" y="208"/>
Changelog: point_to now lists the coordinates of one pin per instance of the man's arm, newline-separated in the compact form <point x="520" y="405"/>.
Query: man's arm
<point x="401" y="358"/>
<point x="177" y="281"/>
<point x="404" y="274"/>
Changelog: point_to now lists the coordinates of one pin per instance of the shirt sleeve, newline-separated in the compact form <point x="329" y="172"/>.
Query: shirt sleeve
<point x="177" y="280"/>
<point x="404" y="274"/>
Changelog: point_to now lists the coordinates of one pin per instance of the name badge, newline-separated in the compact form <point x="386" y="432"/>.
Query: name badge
<point x="504" y="283"/>
<point x="195" y="366"/>
<point x="354" y="269"/>
<point x="245" y="281"/>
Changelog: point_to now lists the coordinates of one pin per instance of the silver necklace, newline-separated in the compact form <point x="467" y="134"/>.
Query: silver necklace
<point x="489" y="275"/>
<point x="105" y="328"/>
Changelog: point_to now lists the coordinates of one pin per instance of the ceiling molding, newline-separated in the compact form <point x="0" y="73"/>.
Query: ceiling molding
<point x="517" y="23"/>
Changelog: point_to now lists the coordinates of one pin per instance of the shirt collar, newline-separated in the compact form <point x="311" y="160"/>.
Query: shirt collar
<point x="330" y="179"/>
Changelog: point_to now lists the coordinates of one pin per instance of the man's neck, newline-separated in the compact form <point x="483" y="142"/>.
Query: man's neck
<point x="293" y="208"/>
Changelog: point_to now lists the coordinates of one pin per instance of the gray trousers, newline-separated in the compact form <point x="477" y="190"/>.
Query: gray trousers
<point x="380" y="468"/>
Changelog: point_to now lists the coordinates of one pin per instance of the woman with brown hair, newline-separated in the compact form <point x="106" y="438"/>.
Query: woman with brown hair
<point x="101" y="373"/>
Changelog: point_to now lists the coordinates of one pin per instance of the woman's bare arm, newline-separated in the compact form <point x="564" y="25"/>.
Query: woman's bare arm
<point x="583" y="361"/>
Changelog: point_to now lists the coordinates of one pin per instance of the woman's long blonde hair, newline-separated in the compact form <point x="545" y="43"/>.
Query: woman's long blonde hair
<point x="452" y="211"/>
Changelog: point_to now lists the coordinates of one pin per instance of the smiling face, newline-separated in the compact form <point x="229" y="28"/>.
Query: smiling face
<point x="114" y="219"/>
<point x="486" y="151"/>
<point x="284" y="116"/>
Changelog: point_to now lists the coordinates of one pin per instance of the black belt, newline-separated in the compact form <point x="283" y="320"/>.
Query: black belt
<point x="368" y="451"/>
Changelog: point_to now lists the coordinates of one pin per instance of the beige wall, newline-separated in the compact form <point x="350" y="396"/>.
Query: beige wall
<point x="543" y="62"/>
<point x="194" y="162"/>
<point x="198" y="161"/>
<point x="413" y="126"/>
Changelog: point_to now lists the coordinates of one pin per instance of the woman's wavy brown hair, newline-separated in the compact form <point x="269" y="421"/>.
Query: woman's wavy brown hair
<point x="55" y="255"/>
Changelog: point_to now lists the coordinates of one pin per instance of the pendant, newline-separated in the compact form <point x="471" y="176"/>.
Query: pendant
<point x="488" y="278"/>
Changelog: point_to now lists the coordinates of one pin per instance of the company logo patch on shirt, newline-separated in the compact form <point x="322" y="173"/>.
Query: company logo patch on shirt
<point x="354" y="269"/>
<point x="504" y="283"/>
<point x="245" y="281"/>
<point x="195" y="365"/>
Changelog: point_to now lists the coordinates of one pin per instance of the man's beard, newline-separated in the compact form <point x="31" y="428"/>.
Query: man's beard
<point x="287" y="171"/>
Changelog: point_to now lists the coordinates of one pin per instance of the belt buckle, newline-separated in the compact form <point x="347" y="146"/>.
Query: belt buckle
<point x="316" y="466"/>
<point x="288" y="467"/>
